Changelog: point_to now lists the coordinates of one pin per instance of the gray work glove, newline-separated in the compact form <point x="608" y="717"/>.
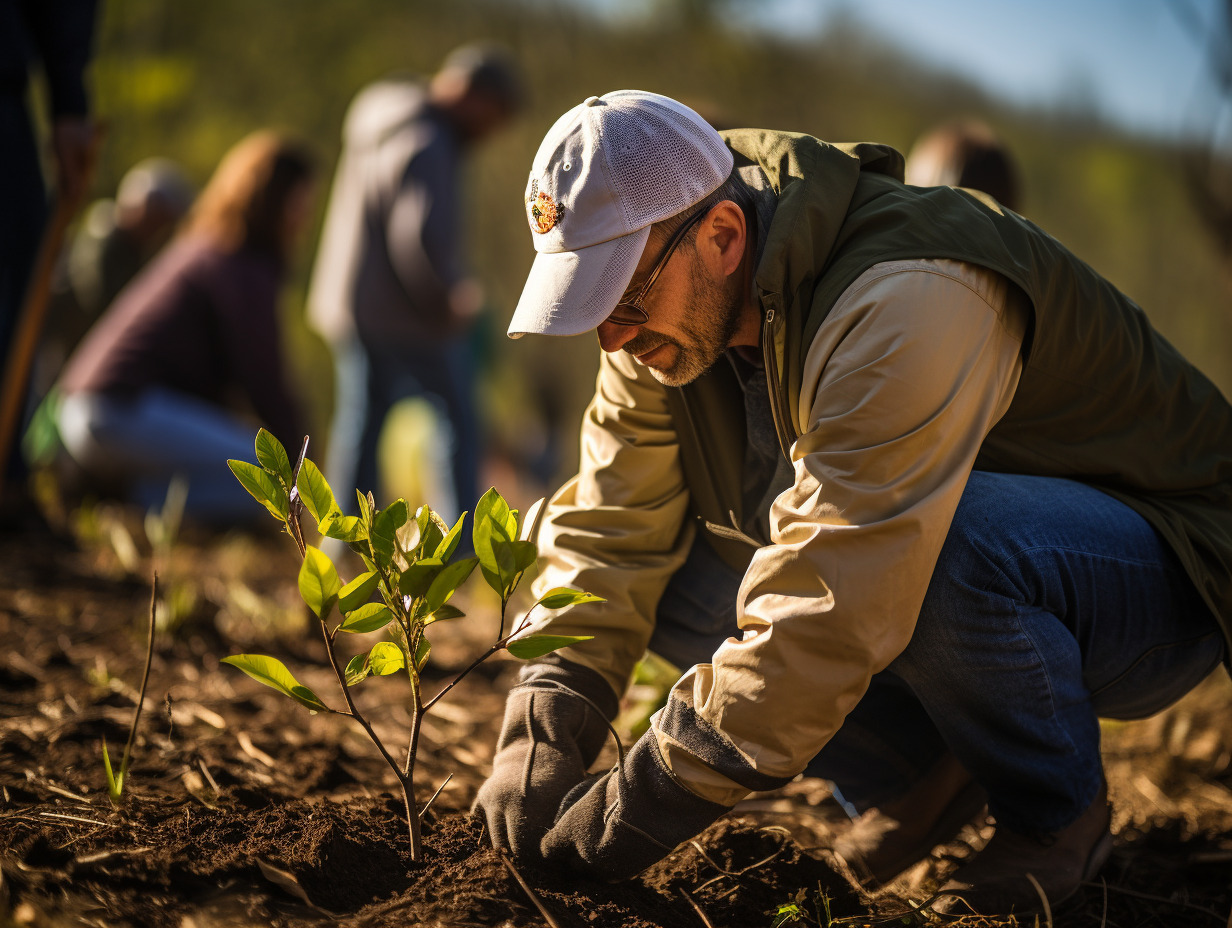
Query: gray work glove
<point x="614" y="826"/>
<point x="552" y="733"/>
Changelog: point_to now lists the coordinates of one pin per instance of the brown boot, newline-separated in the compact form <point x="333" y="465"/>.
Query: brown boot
<point x="996" y="882"/>
<point x="888" y="839"/>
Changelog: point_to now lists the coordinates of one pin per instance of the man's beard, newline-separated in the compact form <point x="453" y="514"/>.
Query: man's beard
<point x="708" y="327"/>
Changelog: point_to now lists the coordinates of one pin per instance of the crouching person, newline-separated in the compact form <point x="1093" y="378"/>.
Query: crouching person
<point x="915" y="494"/>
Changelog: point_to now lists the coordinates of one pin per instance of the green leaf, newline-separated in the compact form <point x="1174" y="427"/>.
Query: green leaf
<point x="318" y="582"/>
<point x="366" y="509"/>
<point x="386" y="658"/>
<point x="431" y="530"/>
<point x="344" y="528"/>
<point x="367" y="618"/>
<point x="562" y="596"/>
<point x="264" y="489"/>
<point x="512" y="559"/>
<point x="448" y="580"/>
<point x="384" y="532"/>
<point x="358" y="591"/>
<point x="422" y="650"/>
<point x="272" y="672"/>
<point x="487" y="533"/>
<point x="416" y="579"/>
<point x="449" y="543"/>
<point x="443" y="613"/>
<point x="533" y="646"/>
<point x="272" y="457"/>
<point x="525" y="553"/>
<point x="115" y="784"/>
<point x="357" y="670"/>
<point x="315" y="491"/>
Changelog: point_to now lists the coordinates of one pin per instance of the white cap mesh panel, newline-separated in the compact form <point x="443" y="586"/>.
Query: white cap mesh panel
<point x="662" y="159"/>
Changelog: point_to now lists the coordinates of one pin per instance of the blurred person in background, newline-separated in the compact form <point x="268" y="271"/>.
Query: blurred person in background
<point x="914" y="493"/>
<point x="58" y="35"/>
<point x="116" y="239"/>
<point x="166" y="381"/>
<point x="390" y="291"/>
<point x="966" y="153"/>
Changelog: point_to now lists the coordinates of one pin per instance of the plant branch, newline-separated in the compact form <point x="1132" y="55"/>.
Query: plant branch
<point x="458" y="679"/>
<point x="350" y="701"/>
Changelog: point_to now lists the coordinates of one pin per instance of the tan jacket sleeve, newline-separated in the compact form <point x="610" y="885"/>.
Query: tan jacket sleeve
<point x="903" y="381"/>
<point x="617" y="529"/>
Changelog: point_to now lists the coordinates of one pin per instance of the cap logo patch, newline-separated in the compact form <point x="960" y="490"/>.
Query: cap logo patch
<point x="544" y="212"/>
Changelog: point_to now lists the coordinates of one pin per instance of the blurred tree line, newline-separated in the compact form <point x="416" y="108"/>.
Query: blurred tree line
<point x="186" y="80"/>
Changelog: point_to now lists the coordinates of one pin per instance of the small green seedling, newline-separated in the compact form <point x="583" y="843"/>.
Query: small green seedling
<point x="115" y="780"/>
<point x="411" y="574"/>
<point x="796" y="911"/>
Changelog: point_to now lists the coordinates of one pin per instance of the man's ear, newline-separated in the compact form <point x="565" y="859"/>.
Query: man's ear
<point x="721" y="238"/>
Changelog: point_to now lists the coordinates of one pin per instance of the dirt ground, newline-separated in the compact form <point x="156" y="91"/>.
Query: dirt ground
<point x="242" y="809"/>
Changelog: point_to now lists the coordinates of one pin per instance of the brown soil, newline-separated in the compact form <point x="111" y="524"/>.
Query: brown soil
<point x="243" y="809"/>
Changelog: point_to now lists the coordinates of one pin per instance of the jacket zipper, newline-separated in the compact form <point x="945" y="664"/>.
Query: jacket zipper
<point x="770" y="358"/>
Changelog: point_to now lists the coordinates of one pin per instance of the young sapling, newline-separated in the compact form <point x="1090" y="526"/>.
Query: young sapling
<point x="411" y="573"/>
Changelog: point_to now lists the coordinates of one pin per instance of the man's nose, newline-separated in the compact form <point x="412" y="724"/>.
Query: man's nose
<point x="613" y="337"/>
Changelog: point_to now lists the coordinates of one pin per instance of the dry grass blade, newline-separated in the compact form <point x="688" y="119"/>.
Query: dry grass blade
<point x="530" y="893"/>
<point x="73" y="818"/>
<point x="1043" y="898"/>
<point x="696" y="908"/>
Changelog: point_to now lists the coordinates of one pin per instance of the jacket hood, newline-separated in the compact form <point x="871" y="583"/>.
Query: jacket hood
<point x="814" y="182"/>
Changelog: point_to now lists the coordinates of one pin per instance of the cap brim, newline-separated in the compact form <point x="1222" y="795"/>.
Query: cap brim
<point x="571" y="292"/>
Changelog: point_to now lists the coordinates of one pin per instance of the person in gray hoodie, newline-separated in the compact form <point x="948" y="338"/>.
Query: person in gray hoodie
<point x="389" y="291"/>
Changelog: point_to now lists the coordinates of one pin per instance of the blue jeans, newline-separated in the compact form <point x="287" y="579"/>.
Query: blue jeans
<point x="370" y="379"/>
<point x="145" y="441"/>
<point x="1051" y="604"/>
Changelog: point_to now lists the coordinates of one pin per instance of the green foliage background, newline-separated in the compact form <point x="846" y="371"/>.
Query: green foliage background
<point x="186" y="80"/>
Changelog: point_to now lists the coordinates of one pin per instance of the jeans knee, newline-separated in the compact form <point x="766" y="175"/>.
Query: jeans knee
<point x="968" y="585"/>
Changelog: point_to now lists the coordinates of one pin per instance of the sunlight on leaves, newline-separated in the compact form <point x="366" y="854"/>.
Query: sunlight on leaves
<point x="386" y="658"/>
<point x="370" y="617"/>
<point x="273" y="673"/>
<point x="263" y="488"/>
<point x="318" y="582"/>
<point x="315" y="491"/>
<point x="532" y="646"/>
<point x="563" y="596"/>
<point x="272" y="457"/>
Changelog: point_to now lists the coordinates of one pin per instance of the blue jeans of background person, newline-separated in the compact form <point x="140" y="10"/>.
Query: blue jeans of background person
<point x="370" y="379"/>
<point x="1051" y="604"/>
<point x="146" y="440"/>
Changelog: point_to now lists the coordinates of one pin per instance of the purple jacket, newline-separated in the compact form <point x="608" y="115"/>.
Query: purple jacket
<point x="199" y="321"/>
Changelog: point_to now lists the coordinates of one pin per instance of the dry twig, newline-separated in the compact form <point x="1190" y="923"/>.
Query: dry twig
<point x="530" y="893"/>
<point x="696" y="908"/>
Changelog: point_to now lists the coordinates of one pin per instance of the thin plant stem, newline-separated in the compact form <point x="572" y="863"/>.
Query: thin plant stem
<point x="408" y="796"/>
<point x="145" y="678"/>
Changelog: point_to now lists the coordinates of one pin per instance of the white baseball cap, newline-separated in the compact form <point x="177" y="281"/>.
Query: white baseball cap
<point x="607" y="170"/>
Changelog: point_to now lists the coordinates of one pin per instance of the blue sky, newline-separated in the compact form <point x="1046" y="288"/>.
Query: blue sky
<point x="1133" y="58"/>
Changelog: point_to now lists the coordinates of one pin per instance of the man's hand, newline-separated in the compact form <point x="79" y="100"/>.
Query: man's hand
<point x="616" y="825"/>
<point x="549" y="738"/>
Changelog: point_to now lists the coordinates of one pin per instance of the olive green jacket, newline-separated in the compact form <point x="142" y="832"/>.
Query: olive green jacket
<point x="909" y="335"/>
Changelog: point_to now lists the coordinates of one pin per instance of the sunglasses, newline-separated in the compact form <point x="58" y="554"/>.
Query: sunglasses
<point x="630" y="311"/>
